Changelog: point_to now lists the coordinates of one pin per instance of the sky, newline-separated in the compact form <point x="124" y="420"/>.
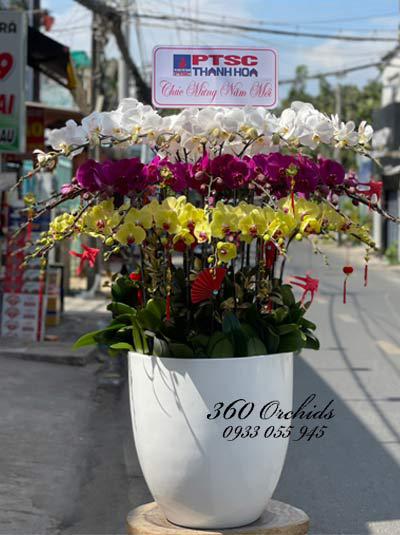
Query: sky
<point x="367" y="18"/>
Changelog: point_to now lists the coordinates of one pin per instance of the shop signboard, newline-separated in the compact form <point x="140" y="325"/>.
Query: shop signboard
<point x="13" y="29"/>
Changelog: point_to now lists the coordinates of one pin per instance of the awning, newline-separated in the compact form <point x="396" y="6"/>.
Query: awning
<point x="51" y="58"/>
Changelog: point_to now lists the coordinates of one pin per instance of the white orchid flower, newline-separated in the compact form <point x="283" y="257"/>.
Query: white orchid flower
<point x="345" y="133"/>
<point x="365" y="133"/>
<point x="68" y="137"/>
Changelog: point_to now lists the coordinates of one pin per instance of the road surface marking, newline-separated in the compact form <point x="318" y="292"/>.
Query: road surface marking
<point x="347" y="318"/>
<point x="388" y="347"/>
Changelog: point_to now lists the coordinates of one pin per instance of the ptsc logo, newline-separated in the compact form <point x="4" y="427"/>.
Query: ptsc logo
<point x="182" y="64"/>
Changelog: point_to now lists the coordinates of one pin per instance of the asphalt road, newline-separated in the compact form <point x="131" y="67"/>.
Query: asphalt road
<point x="349" y="480"/>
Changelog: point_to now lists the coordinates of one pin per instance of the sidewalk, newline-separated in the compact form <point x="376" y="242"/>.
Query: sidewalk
<point x="80" y="316"/>
<point x="46" y="419"/>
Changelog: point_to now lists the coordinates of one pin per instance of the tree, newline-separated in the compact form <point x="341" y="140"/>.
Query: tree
<point x="357" y="104"/>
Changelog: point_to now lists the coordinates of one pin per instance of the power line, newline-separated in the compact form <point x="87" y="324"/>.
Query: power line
<point x="263" y="30"/>
<point x="333" y="73"/>
<point x="257" y="22"/>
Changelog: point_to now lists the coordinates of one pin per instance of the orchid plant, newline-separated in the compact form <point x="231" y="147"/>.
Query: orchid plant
<point x="205" y="226"/>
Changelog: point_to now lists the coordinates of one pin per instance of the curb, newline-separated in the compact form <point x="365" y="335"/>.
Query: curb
<point x="54" y="352"/>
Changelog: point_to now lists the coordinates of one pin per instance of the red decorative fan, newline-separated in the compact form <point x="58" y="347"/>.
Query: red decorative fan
<point x="207" y="283"/>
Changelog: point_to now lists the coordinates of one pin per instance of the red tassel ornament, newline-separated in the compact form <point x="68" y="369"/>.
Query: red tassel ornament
<point x="292" y="185"/>
<point x="347" y="270"/>
<point x="137" y="277"/>
<point x="168" y="307"/>
<point x="270" y="254"/>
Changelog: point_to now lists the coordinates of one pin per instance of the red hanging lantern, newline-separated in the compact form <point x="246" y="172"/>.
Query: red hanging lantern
<point x="347" y="270"/>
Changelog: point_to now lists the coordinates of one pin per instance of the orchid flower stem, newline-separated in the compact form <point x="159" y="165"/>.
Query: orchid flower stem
<point x="375" y="207"/>
<point x="186" y="269"/>
<point x="283" y="263"/>
<point x="43" y="211"/>
<point x="248" y="246"/>
<point x="234" y="286"/>
<point x="142" y="273"/>
<point x="258" y="260"/>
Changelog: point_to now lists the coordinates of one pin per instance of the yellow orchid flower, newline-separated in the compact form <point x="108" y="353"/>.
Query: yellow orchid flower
<point x="282" y="226"/>
<point x="362" y="233"/>
<point x="141" y="217"/>
<point x="202" y="232"/>
<point x="60" y="225"/>
<point x="310" y="225"/>
<point x="224" y="220"/>
<point x="226" y="251"/>
<point x="129" y="234"/>
<point x="174" y="203"/>
<point x="252" y="225"/>
<point x="166" y="220"/>
<point x="185" y="237"/>
<point x="189" y="216"/>
<point x="101" y="219"/>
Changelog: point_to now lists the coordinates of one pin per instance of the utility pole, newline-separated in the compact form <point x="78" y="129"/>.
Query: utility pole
<point x="96" y="50"/>
<point x="337" y="154"/>
<point x="123" y="73"/>
<point x="95" y="104"/>
<point x="338" y="111"/>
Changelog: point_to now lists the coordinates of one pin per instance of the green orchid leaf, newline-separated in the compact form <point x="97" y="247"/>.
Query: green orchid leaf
<point x="160" y="348"/>
<point x="279" y="315"/>
<point x="271" y="339"/>
<point x="290" y="342"/>
<point x="230" y="323"/>
<point x="148" y="320"/>
<point x="249" y="330"/>
<point x="120" y="308"/>
<point x="156" y="307"/>
<point x="286" y="328"/>
<point x="307" y="324"/>
<point x="139" y="338"/>
<point x="89" y="339"/>
<point x="220" y="346"/>
<point x="123" y="346"/>
<point x="181" y="351"/>
<point x="255" y="347"/>
<point x="199" y="340"/>
<point x="312" y="341"/>
<point x="287" y="295"/>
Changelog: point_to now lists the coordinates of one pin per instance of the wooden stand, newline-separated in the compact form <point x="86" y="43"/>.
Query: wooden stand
<point x="278" y="519"/>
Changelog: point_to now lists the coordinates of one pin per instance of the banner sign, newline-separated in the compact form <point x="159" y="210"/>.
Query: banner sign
<point x="12" y="80"/>
<point x="34" y="129"/>
<point x="214" y="76"/>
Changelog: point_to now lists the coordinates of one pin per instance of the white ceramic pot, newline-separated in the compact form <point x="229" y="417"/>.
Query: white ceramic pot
<point x="199" y="478"/>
